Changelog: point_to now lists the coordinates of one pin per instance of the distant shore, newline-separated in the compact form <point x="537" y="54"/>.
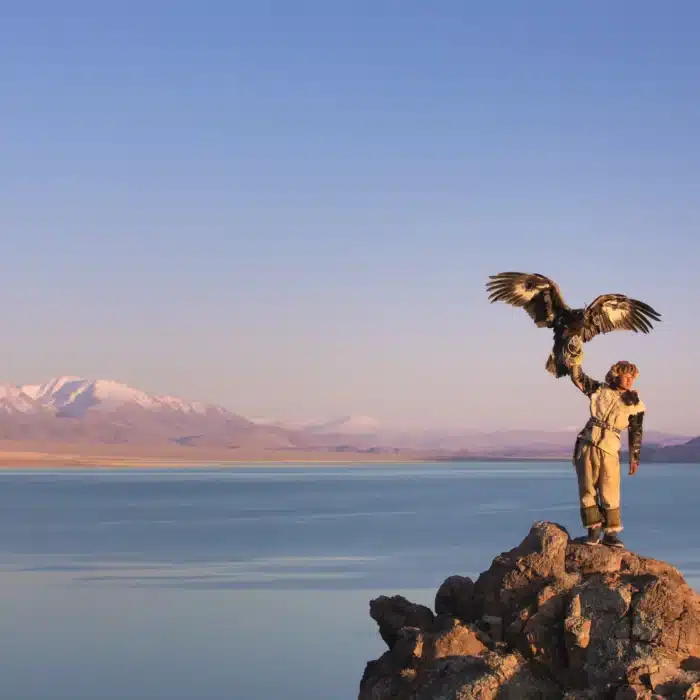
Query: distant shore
<point x="38" y="459"/>
<point x="52" y="460"/>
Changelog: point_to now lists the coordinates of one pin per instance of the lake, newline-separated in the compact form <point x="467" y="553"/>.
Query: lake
<point x="251" y="582"/>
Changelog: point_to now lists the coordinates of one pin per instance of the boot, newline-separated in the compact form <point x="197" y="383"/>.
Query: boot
<point x="593" y="537"/>
<point x="610" y="539"/>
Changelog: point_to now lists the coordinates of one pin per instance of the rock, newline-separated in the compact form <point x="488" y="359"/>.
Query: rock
<point x="493" y="626"/>
<point x="455" y="597"/>
<point x="693" y="692"/>
<point x="516" y="576"/>
<point x="551" y="618"/>
<point x="508" y="677"/>
<point x="394" y="613"/>
<point x="490" y="677"/>
<point x="664" y="615"/>
<point x="692" y="663"/>
<point x="634" y="692"/>
<point x="450" y="637"/>
<point x="393" y="673"/>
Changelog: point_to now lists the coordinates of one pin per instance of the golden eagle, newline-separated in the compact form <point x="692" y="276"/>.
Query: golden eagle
<point x="542" y="300"/>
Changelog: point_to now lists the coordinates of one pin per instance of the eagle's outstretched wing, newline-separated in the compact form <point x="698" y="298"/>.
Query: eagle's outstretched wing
<point x="535" y="293"/>
<point x="613" y="312"/>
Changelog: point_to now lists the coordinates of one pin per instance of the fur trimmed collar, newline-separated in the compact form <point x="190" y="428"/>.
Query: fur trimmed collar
<point x="629" y="397"/>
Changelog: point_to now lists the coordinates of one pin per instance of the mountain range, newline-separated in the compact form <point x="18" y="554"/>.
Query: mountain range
<point x="77" y="410"/>
<point x="101" y="412"/>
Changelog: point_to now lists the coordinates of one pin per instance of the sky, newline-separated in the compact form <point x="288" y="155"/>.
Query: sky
<point x="291" y="209"/>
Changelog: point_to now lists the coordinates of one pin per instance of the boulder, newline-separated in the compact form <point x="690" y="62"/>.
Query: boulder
<point x="551" y="618"/>
<point x="394" y="613"/>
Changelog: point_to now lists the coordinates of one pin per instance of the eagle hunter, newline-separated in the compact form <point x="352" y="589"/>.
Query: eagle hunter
<point x="543" y="301"/>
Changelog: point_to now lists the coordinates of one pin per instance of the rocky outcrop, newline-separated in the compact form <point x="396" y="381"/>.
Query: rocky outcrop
<point x="552" y="618"/>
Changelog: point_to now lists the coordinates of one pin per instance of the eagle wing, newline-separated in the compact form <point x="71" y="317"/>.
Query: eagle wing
<point x="535" y="293"/>
<point x="617" y="312"/>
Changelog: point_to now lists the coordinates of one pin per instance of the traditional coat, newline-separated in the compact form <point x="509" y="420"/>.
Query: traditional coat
<point x="597" y="451"/>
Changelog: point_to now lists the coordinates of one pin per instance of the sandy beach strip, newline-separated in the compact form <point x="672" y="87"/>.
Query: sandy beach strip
<point x="131" y="458"/>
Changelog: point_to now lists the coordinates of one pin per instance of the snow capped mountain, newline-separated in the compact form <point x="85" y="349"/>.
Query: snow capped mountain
<point x="15" y="401"/>
<point x="76" y="410"/>
<point x="75" y="396"/>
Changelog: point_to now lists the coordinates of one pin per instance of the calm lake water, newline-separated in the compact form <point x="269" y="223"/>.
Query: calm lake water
<point x="254" y="582"/>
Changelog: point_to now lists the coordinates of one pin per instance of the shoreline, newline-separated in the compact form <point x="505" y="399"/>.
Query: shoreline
<point x="31" y="459"/>
<point x="53" y="460"/>
<point x="28" y="460"/>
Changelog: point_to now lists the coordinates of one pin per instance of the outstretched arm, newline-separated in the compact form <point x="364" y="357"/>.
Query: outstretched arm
<point x="634" y="433"/>
<point x="582" y="381"/>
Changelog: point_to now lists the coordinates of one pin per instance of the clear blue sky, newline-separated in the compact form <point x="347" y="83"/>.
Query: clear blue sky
<point x="291" y="208"/>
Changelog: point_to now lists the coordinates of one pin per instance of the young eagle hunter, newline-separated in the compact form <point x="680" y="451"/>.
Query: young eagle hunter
<point x="614" y="407"/>
<point x="543" y="301"/>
